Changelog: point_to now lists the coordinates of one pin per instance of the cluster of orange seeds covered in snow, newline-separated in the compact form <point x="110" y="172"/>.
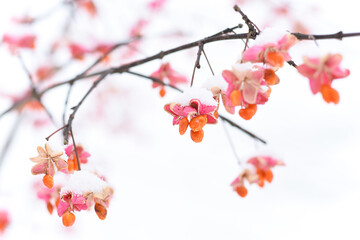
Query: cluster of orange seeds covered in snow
<point x="82" y="189"/>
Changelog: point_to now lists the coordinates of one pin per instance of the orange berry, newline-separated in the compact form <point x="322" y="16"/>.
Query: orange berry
<point x="242" y="191"/>
<point x="76" y="167"/>
<point x="270" y="77"/>
<point x="70" y="165"/>
<point x="275" y="59"/>
<point x="48" y="181"/>
<point x="235" y="97"/>
<point x="268" y="92"/>
<point x="329" y="94"/>
<point x="162" y="92"/>
<point x="183" y="125"/>
<point x="197" y="136"/>
<point x="197" y="123"/>
<point x="216" y="114"/>
<point x="269" y="176"/>
<point x="68" y="219"/>
<point x="57" y="202"/>
<point x="101" y="211"/>
<point x="249" y="112"/>
<point x="261" y="182"/>
<point x="50" y="207"/>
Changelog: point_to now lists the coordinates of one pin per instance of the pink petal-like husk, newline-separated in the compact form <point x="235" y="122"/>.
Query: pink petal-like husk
<point x="211" y="118"/>
<point x="333" y="60"/>
<point x="229" y="77"/>
<point x="250" y="92"/>
<point x="175" y="79"/>
<point x="79" y="202"/>
<point x="338" y="72"/>
<point x="207" y="109"/>
<point x="69" y="149"/>
<point x="62" y="207"/>
<point x="309" y="72"/>
<point x="229" y="107"/>
<point x="262" y="98"/>
<point x="324" y="78"/>
<point x="51" y="169"/>
<point x="46" y="196"/>
<point x="265" y="162"/>
<point x="158" y="75"/>
<point x="253" y="54"/>
<point x="196" y="104"/>
<point x="78" y="199"/>
<point x="41" y="152"/>
<point x="287" y="41"/>
<point x="84" y="157"/>
<point x="39" y="168"/>
<point x="60" y="163"/>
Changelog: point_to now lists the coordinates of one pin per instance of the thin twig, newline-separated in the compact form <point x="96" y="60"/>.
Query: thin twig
<point x="154" y="80"/>
<point x="232" y="123"/>
<point x="76" y="108"/>
<point x="197" y="62"/>
<point x="75" y="148"/>
<point x="67" y="101"/>
<point x="208" y="62"/>
<point x="247" y="21"/>
<point x="160" y="55"/>
<point x="47" y="138"/>
<point x="226" y="31"/>
<point x="83" y="73"/>
<point x="231" y="143"/>
<point x="33" y="88"/>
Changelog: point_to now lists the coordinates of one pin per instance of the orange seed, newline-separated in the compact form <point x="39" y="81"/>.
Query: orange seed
<point x="275" y="59"/>
<point x="100" y="210"/>
<point x="235" y="97"/>
<point x="68" y="219"/>
<point x="270" y="77"/>
<point x="48" y="181"/>
<point x="329" y="94"/>
<point x="50" y="207"/>
<point x="269" y="176"/>
<point x="197" y="136"/>
<point x="248" y="112"/>
<point x="242" y="191"/>
<point x="183" y="125"/>
<point x="162" y="92"/>
<point x="197" y="123"/>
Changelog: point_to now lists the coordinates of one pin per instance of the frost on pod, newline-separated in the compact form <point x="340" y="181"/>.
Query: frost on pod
<point x="83" y="190"/>
<point x="195" y="108"/>
<point x="258" y="172"/>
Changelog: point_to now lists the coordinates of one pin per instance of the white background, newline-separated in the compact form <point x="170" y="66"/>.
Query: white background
<point x="166" y="186"/>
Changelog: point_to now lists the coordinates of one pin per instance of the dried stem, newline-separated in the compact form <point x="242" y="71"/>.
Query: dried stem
<point x="76" y="108"/>
<point x="47" y="138"/>
<point x="126" y="67"/>
<point x="75" y="148"/>
<point x="197" y="62"/>
<point x="247" y="21"/>
<point x="231" y="143"/>
<point x="207" y="60"/>
<point x="33" y="87"/>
